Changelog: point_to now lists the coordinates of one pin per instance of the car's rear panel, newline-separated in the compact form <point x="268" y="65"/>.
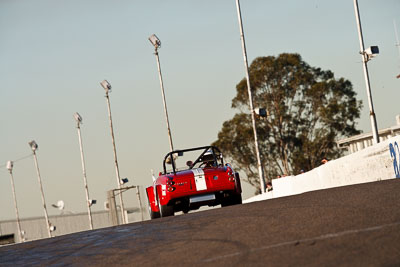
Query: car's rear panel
<point x="195" y="182"/>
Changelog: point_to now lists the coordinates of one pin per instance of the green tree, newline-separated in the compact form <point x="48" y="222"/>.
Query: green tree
<point x="308" y="109"/>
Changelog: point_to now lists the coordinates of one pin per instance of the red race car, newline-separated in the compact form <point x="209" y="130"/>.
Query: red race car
<point x="203" y="180"/>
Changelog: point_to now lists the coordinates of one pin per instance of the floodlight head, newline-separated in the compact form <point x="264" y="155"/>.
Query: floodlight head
<point x="52" y="228"/>
<point x="124" y="181"/>
<point x="33" y="145"/>
<point x="78" y="117"/>
<point x="106" y="85"/>
<point x="92" y="202"/>
<point x="371" y="52"/>
<point x="262" y="112"/>
<point x="155" y="41"/>
<point x="10" y="165"/>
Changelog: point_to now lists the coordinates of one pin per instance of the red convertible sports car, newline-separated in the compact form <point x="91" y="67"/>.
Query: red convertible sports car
<point x="203" y="180"/>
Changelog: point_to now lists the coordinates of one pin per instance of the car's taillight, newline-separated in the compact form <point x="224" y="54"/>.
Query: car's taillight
<point x="231" y="175"/>
<point x="170" y="182"/>
<point x="171" y="189"/>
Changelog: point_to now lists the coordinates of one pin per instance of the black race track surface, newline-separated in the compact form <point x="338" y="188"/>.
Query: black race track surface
<point x="355" y="225"/>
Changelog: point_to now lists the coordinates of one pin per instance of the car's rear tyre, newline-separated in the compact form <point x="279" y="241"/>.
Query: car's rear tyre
<point x="153" y="214"/>
<point x="166" y="210"/>
<point x="237" y="199"/>
<point x="234" y="199"/>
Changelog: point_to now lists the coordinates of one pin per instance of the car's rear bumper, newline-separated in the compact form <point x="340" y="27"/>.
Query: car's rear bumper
<point x="193" y="202"/>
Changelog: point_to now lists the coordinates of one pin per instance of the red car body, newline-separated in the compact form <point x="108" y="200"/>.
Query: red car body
<point x="206" y="181"/>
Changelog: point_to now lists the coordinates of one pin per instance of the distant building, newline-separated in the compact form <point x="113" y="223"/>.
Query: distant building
<point x="361" y="141"/>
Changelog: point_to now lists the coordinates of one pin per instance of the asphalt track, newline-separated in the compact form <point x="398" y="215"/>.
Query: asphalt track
<point x="355" y="225"/>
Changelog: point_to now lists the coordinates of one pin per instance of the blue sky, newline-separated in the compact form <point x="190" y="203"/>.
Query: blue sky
<point x="53" y="54"/>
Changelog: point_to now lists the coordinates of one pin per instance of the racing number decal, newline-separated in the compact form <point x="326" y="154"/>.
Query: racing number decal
<point x="200" y="179"/>
<point x="394" y="153"/>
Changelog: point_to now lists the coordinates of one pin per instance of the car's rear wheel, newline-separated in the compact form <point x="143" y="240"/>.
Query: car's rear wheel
<point x="153" y="214"/>
<point x="237" y="199"/>
<point x="234" y="199"/>
<point x="165" y="210"/>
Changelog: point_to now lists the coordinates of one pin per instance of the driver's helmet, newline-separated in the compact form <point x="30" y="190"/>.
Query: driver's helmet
<point x="208" y="156"/>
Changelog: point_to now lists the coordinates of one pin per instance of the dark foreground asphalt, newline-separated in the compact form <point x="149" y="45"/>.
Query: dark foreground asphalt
<point x="353" y="226"/>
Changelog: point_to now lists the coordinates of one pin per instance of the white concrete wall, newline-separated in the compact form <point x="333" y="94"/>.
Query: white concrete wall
<point x="267" y="195"/>
<point x="373" y="163"/>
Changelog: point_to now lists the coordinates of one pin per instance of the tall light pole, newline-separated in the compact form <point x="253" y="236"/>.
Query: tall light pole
<point x="365" y="58"/>
<point x="10" y="166"/>
<point x="246" y="64"/>
<point x="78" y="119"/>
<point x="157" y="44"/>
<point x="107" y="87"/>
<point x="397" y="37"/>
<point x="34" y="147"/>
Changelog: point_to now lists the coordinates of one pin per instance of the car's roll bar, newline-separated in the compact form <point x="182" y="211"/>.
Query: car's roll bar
<point x="180" y="152"/>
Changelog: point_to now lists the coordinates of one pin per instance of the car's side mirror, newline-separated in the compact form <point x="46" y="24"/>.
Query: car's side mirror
<point x="189" y="163"/>
<point x="159" y="174"/>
